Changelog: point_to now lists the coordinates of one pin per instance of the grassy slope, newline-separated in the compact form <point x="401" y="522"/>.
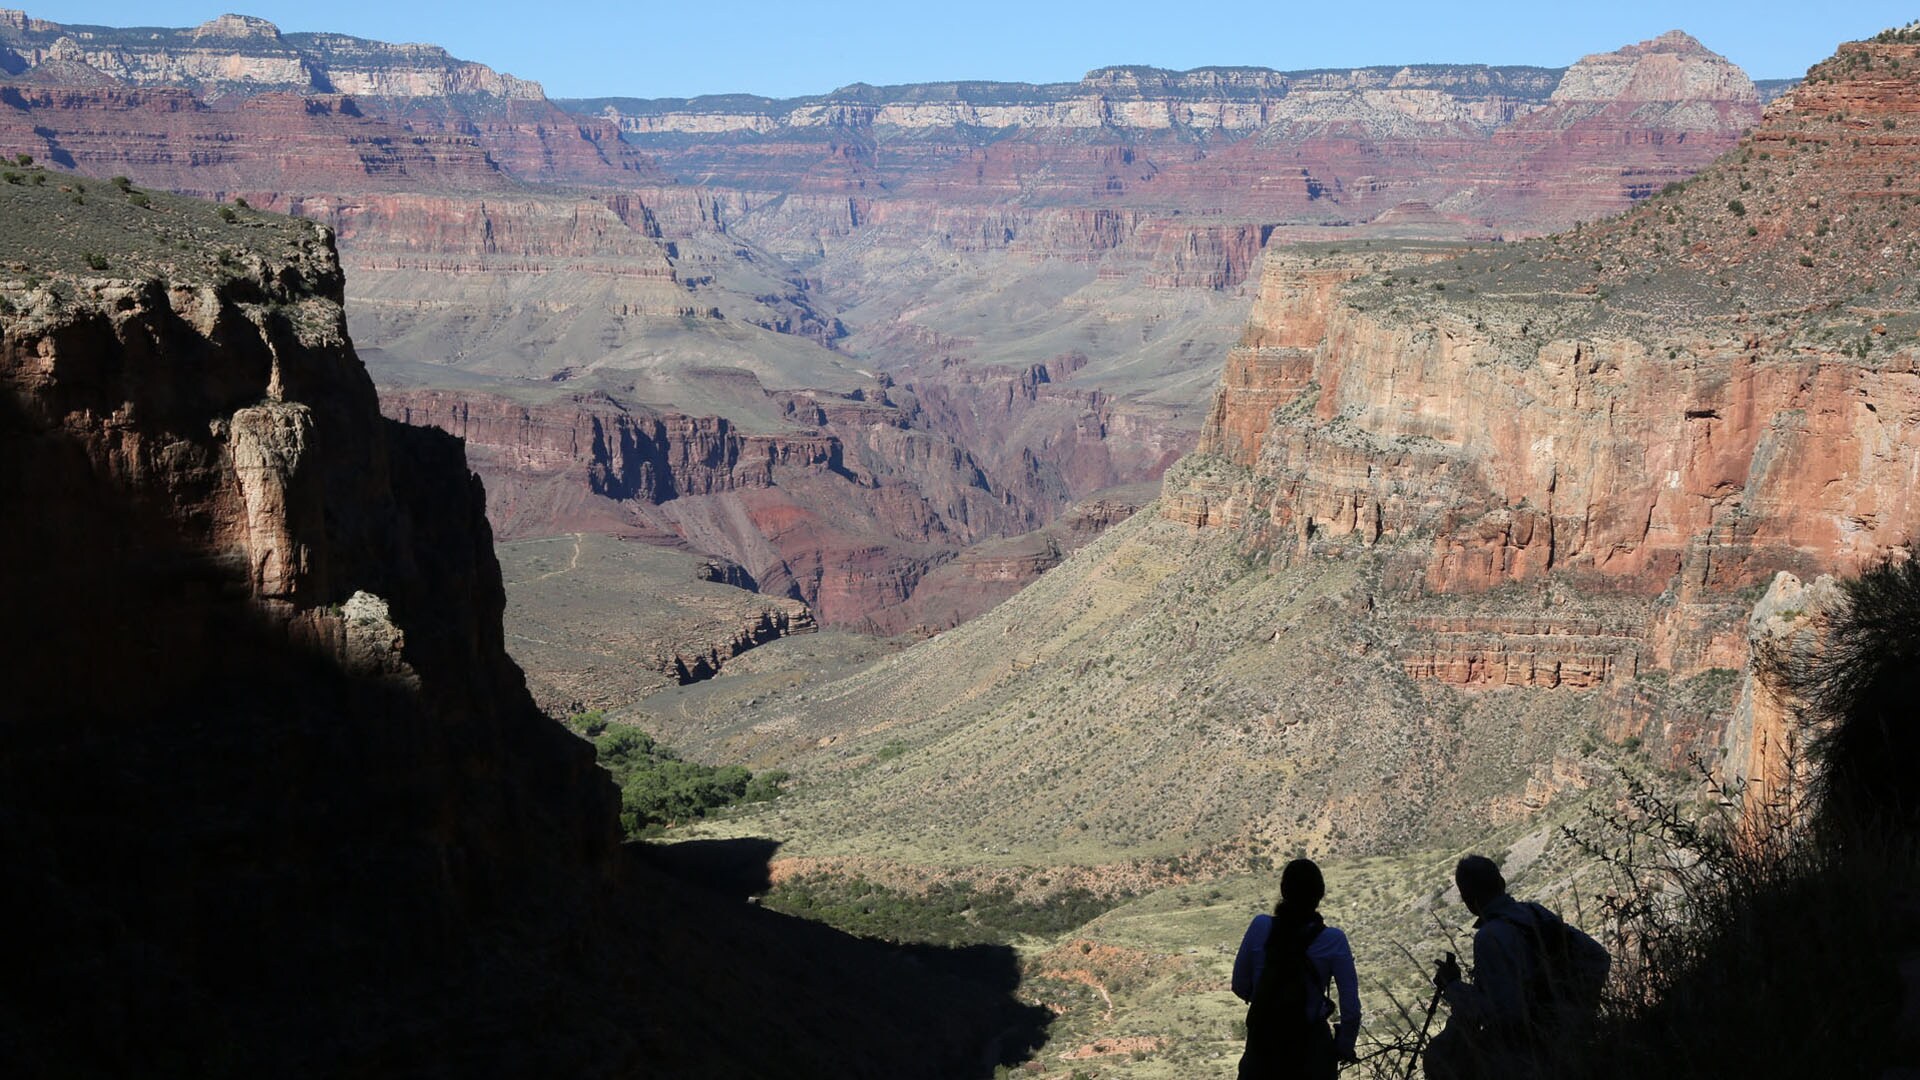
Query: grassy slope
<point x="1206" y="716"/>
<point x="1160" y="694"/>
<point x="55" y="221"/>
<point x="601" y="620"/>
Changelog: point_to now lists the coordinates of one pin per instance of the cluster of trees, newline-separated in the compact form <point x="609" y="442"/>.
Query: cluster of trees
<point x="658" y="788"/>
<point x="948" y="913"/>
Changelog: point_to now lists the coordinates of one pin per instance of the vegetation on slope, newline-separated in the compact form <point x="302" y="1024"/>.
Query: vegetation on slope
<point x="1802" y="237"/>
<point x="1768" y="937"/>
<point x="658" y="788"/>
<point x="65" y="234"/>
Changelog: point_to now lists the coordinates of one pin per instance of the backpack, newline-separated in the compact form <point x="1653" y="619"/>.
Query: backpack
<point x="1288" y="983"/>
<point x="1569" y="969"/>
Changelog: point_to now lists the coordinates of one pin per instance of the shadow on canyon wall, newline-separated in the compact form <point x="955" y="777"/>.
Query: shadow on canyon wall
<point x="227" y="854"/>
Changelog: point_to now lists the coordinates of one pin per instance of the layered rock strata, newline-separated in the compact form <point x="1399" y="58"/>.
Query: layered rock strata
<point x="1525" y="147"/>
<point x="234" y="58"/>
<point x="1656" y="414"/>
<point x="1111" y="227"/>
<point x="848" y="512"/>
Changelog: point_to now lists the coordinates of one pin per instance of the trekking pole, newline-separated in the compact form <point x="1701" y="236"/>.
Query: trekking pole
<point x="1433" y="1006"/>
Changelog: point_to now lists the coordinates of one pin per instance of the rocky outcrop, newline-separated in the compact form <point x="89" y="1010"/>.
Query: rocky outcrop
<point x="274" y="619"/>
<point x="693" y="665"/>
<point x="1273" y="364"/>
<point x="1524" y="652"/>
<point x="1766" y="743"/>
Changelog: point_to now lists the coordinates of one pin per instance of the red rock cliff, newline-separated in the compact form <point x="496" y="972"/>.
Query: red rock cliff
<point x="1656" y="414"/>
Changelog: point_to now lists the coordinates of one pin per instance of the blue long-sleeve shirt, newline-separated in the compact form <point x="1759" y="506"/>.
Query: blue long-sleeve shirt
<point x="1332" y="959"/>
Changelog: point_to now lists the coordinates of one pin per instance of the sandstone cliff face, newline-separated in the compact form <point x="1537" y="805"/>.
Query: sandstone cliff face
<point x="1647" y="444"/>
<point x="1766" y="743"/>
<point x="258" y="593"/>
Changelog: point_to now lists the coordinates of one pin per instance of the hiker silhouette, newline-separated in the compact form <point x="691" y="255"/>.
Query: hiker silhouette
<point x="1282" y="970"/>
<point x="1536" y="984"/>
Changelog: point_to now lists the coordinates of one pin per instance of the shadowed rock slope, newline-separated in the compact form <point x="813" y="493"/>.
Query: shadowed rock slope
<point x="275" y="800"/>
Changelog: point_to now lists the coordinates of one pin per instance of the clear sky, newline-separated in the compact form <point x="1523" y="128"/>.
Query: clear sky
<point x="648" y="48"/>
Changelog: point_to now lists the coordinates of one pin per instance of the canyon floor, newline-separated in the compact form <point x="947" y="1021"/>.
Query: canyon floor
<point x="1142" y="725"/>
<point x="1472" y="542"/>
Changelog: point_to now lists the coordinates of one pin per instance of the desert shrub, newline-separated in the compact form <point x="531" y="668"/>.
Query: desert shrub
<point x="657" y="787"/>
<point x="1859" y="685"/>
<point x="227" y="215"/>
<point x="1761" y="934"/>
<point x="1732" y="954"/>
<point x="766" y="785"/>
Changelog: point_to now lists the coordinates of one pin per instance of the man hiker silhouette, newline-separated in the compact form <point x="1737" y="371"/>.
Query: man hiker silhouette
<point x="1536" y="983"/>
<point x="1282" y="969"/>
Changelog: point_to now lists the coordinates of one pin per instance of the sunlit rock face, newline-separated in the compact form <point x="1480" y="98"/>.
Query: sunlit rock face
<point x="1644" y="421"/>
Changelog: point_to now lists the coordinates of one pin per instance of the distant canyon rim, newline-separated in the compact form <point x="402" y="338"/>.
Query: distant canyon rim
<point x="837" y="342"/>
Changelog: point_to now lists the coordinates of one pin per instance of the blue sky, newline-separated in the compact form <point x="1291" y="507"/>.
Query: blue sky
<point x="645" y="48"/>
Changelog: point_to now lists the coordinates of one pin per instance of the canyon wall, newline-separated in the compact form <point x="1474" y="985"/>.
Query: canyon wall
<point x="1508" y="149"/>
<point x="847" y="508"/>
<point x="273" y="618"/>
<point x="278" y="801"/>
<point x="902" y="258"/>
<point x="1636" y="426"/>
<point x="225" y="62"/>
